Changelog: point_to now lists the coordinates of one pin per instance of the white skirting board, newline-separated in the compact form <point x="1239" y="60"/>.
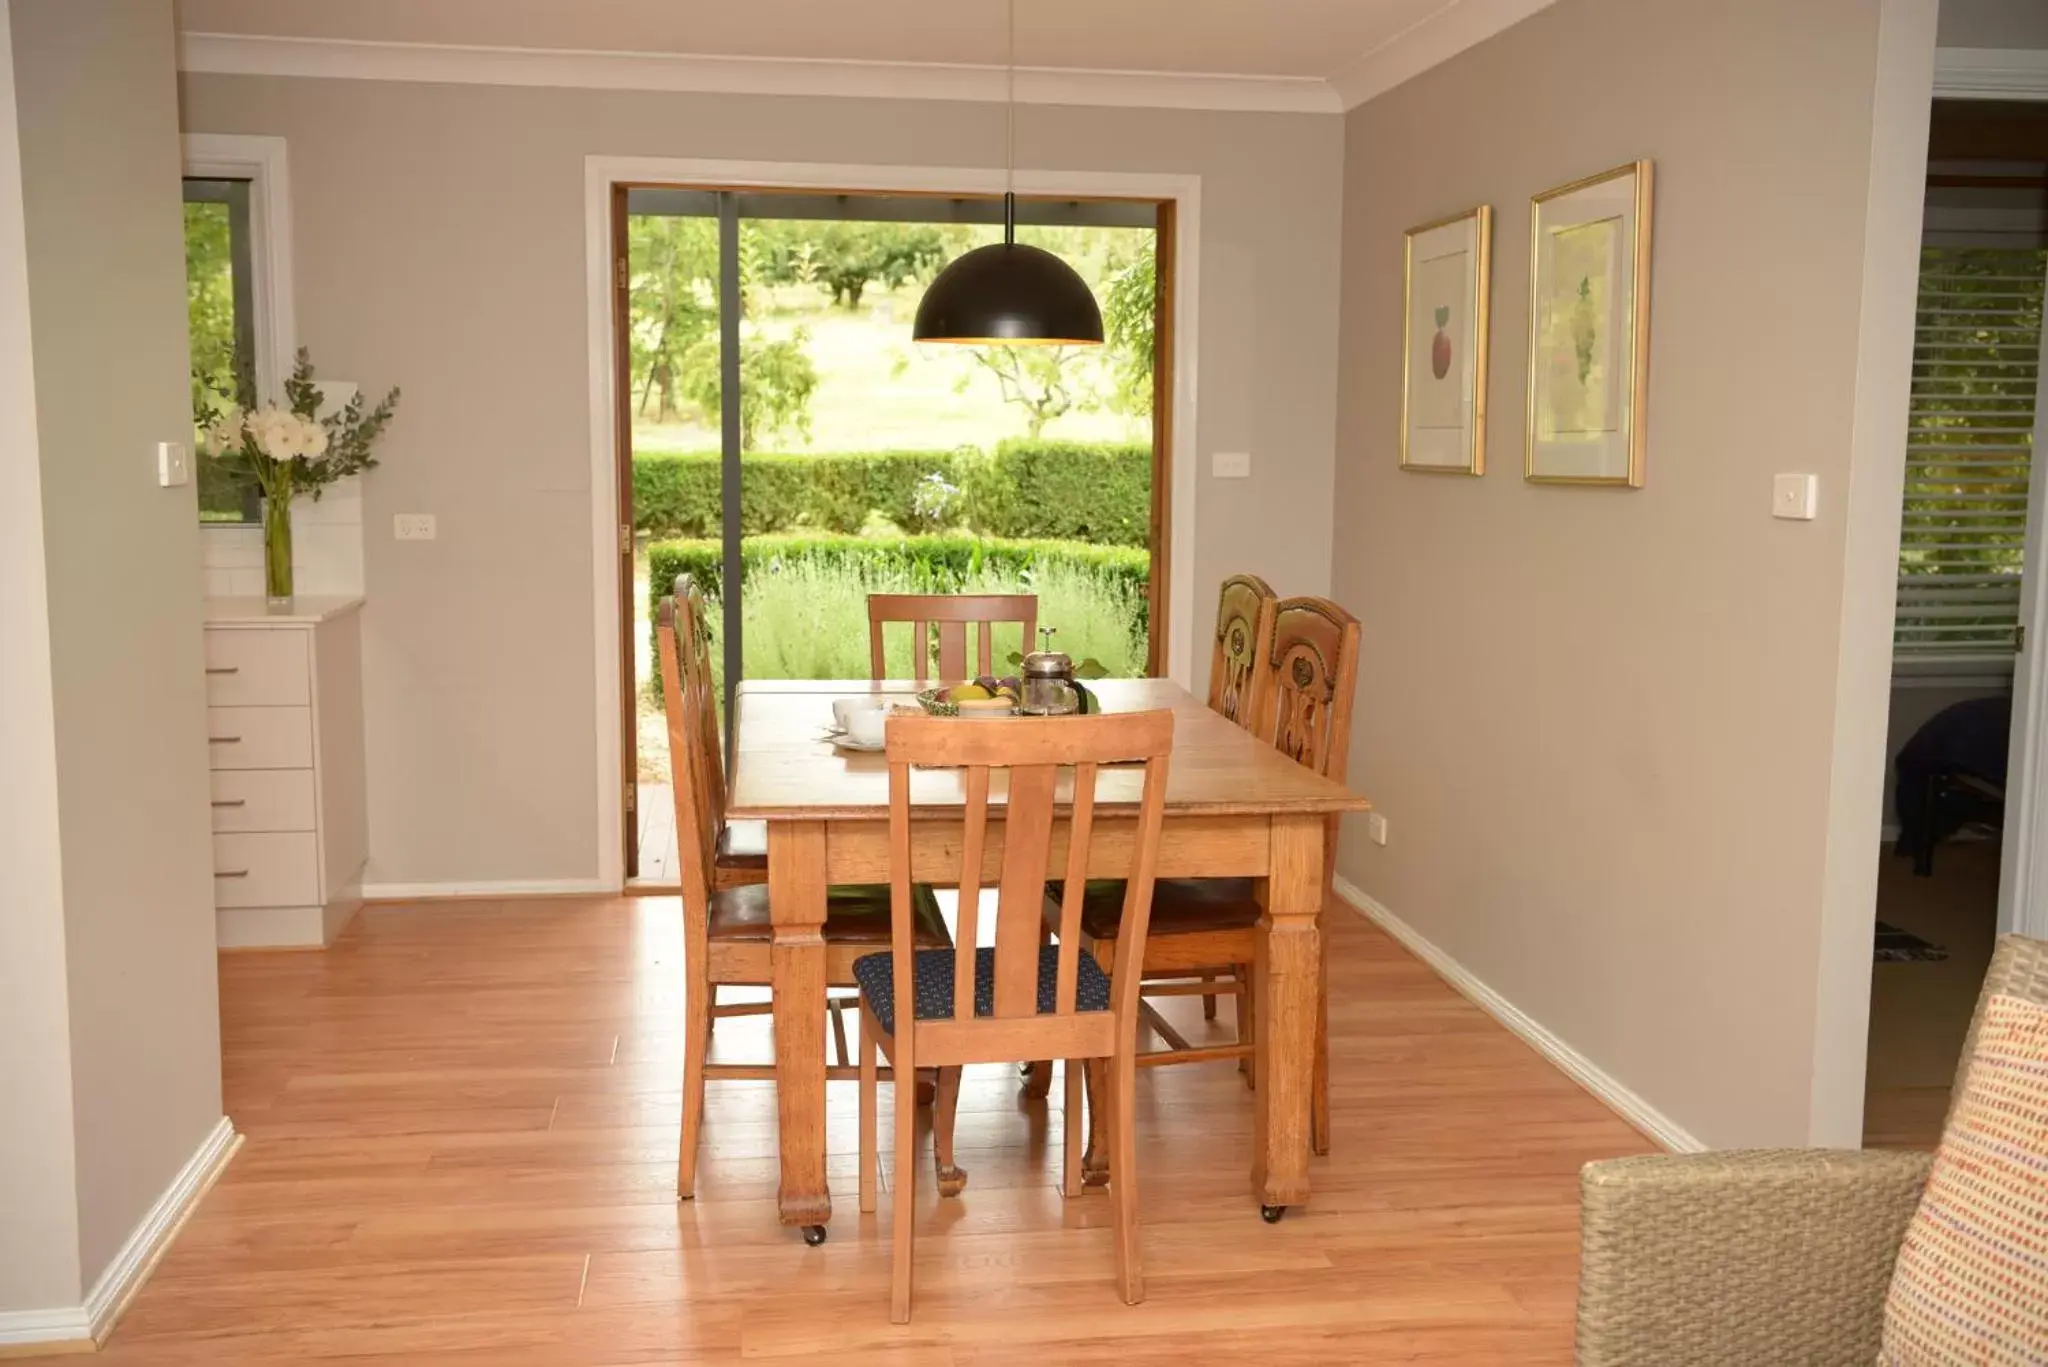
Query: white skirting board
<point x="1580" y="1069"/>
<point x="79" y="1327"/>
<point x="516" y="887"/>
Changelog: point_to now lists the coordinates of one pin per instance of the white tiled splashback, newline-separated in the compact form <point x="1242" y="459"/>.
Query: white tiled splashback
<point x="327" y="548"/>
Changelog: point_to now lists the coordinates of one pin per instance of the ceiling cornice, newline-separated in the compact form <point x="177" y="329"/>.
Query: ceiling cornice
<point x="1440" y="36"/>
<point x="1447" y="31"/>
<point x="347" y="59"/>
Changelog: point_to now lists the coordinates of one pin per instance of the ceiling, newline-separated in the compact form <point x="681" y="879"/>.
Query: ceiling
<point x="1324" y="44"/>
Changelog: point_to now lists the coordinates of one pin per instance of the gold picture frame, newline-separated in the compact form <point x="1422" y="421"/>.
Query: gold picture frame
<point x="1443" y="402"/>
<point x="1589" y="342"/>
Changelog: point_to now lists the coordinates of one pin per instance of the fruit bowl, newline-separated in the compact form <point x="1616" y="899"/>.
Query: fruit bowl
<point x="982" y="701"/>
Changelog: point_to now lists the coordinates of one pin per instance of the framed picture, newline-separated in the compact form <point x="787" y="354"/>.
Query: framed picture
<point x="1445" y="295"/>
<point x="1589" y="329"/>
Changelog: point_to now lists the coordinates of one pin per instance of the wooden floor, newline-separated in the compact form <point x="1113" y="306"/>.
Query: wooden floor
<point x="461" y="1126"/>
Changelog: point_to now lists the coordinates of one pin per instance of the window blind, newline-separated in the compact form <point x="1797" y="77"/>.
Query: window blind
<point x="1976" y="365"/>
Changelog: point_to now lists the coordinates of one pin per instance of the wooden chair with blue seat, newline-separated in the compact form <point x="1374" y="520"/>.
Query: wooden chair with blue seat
<point x="727" y="930"/>
<point x="1018" y="998"/>
<point x="1301" y="705"/>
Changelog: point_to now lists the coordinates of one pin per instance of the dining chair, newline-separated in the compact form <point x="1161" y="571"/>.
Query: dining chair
<point x="739" y="848"/>
<point x="1019" y="998"/>
<point x="1302" y="699"/>
<point x="1244" y="630"/>
<point x="947" y="616"/>
<point x="727" y="931"/>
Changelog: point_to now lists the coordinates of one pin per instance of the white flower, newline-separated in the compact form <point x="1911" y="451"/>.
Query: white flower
<point x="224" y="433"/>
<point x="282" y="434"/>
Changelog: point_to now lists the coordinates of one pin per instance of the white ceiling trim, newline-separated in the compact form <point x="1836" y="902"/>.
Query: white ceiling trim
<point x="1991" y="73"/>
<point x="1436" y="38"/>
<point x="347" y="59"/>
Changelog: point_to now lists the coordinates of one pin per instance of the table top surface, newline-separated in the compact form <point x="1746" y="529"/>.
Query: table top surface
<point x="786" y="766"/>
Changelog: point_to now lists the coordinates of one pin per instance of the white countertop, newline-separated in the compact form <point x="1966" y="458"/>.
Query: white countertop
<point x="306" y="609"/>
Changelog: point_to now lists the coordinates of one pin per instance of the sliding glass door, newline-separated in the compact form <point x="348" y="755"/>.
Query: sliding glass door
<point x="785" y="444"/>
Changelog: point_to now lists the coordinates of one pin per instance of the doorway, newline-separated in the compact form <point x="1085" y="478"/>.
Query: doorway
<point x="780" y="439"/>
<point x="1970" y="546"/>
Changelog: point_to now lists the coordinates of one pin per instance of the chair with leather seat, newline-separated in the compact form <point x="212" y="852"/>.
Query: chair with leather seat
<point x="727" y="931"/>
<point x="1301" y="705"/>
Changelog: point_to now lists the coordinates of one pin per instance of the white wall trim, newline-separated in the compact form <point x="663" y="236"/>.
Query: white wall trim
<point x="1430" y="41"/>
<point x="1990" y="73"/>
<point x="602" y="172"/>
<point x="1573" y="1064"/>
<point x="261" y="161"/>
<point x="64" y="1329"/>
<point x="351" y="59"/>
<point x="152" y="1238"/>
<point x="82" y="1326"/>
<point x="511" y="887"/>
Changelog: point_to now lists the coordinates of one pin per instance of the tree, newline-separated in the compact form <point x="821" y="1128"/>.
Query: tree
<point x="776" y="383"/>
<point x="672" y="266"/>
<point x="843" y="259"/>
<point x="1130" y="320"/>
<point x="1036" y="379"/>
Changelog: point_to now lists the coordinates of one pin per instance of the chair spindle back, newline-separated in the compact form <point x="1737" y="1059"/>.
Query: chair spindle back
<point x="947" y="615"/>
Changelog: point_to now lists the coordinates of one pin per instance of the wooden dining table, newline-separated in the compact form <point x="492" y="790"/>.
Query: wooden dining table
<point x="1234" y="808"/>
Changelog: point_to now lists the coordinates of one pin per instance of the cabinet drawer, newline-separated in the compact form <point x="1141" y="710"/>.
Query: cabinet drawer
<point x="263" y="800"/>
<point x="260" y="737"/>
<point x="268" y="869"/>
<point x="251" y="667"/>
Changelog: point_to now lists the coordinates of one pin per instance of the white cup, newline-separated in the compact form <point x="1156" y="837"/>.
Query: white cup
<point x="867" y="727"/>
<point x="844" y="710"/>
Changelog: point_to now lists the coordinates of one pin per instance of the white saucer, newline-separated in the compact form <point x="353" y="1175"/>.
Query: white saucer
<point x="846" y="742"/>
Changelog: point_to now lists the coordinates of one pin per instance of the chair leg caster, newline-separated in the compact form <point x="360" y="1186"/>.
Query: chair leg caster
<point x="952" y="1180"/>
<point x="1036" y="1079"/>
<point x="814" y="1235"/>
<point x="1271" y="1214"/>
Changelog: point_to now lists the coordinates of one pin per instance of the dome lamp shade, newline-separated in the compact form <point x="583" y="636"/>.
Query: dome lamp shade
<point x="1008" y="294"/>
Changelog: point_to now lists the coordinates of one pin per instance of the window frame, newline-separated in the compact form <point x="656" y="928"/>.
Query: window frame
<point x="260" y="161"/>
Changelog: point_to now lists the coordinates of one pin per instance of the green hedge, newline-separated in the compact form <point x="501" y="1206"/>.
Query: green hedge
<point x="1082" y="491"/>
<point x="679" y="495"/>
<point x="933" y="564"/>
<point x="1078" y="491"/>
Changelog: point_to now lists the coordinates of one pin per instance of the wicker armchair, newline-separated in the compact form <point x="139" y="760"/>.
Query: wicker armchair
<point x="1760" y="1256"/>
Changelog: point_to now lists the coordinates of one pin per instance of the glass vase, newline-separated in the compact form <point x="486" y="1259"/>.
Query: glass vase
<point x="277" y="553"/>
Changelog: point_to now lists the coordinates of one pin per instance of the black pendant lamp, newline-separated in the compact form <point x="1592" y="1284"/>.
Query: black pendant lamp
<point x="1008" y="293"/>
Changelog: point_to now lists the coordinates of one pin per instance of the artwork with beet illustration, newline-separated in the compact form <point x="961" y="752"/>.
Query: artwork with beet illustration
<point x="1443" y="398"/>
<point x="1588" y="313"/>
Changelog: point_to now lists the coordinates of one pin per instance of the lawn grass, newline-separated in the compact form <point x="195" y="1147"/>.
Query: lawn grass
<point x="878" y="390"/>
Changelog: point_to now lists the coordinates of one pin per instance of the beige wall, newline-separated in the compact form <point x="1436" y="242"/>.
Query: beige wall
<point x="95" y="85"/>
<point x="478" y="647"/>
<point x="1606" y="726"/>
<point x="39" y="1236"/>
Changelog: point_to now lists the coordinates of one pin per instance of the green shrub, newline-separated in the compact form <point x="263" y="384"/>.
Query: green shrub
<point x="1079" y="491"/>
<point x="1100" y="492"/>
<point x="679" y="494"/>
<point x="806" y="599"/>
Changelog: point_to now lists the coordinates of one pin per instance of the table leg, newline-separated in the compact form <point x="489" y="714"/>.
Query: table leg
<point x="1287" y="973"/>
<point x="796" y="898"/>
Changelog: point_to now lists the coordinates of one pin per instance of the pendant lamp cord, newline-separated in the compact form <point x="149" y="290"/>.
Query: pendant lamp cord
<point x="1010" y="130"/>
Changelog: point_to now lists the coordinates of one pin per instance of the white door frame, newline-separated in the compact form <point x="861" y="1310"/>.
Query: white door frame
<point x="601" y="173"/>
<point x="2023" y="858"/>
<point x="2011" y="74"/>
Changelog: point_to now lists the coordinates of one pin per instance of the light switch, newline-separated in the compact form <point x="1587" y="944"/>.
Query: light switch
<point x="1796" y="497"/>
<point x="412" y="526"/>
<point x="1231" y="464"/>
<point x="173" y="464"/>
